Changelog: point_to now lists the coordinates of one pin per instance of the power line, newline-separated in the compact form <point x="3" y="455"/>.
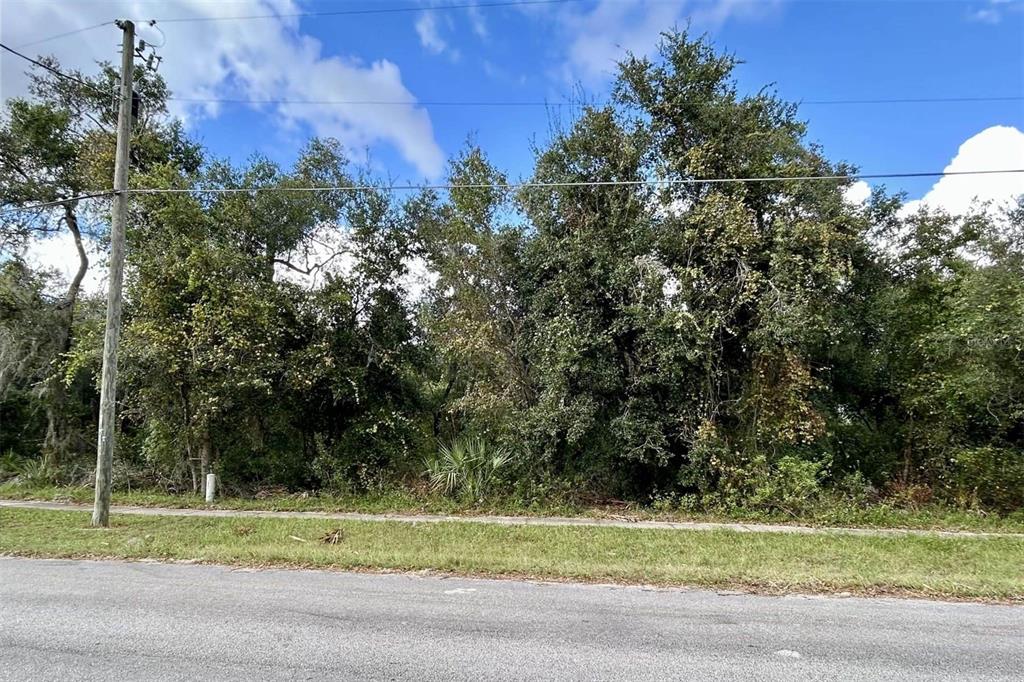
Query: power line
<point x="915" y="100"/>
<point x="517" y="185"/>
<point x="379" y="10"/>
<point x="65" y="34"/>
<point x="579" y="183"/>
<point x="487" y="103"/>
<point x="447" y="103"/>
<point x="455" y="103"/>
<point x="535" y="103"/>
<point x="55" y="71"/>
<point x="60" y="202"/>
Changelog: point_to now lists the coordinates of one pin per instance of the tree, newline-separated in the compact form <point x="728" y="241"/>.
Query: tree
<point x="234" y="368"/>
<point x="56" y="146"/>
<point x="659" y="313"/>
<point x="29" y="324"/>
<point x="683" y="320"/>
<point x="475" y="317"/>
<point x="953" y="347"/>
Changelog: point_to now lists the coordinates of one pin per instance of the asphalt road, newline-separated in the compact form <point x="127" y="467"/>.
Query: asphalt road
<point x="77" y="620"/>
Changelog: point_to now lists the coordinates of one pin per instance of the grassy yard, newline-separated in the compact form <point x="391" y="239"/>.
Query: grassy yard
<point x="968" y="568"/>
<point x="829" y="513"/>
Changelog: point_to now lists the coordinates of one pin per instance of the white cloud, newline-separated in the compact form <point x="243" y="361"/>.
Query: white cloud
<point x="601" y="36"/>
<point x="476" y="20"/>
<point x="328" y="251"/>
<point x="258" y="59"/>
<point x="995" y="148"/>
<point x="57" y="253"/>
<point x="430" y="36"/>
<point x="491" y="69"/>
<point x="497" y="73"/>
<point x="986" y="15"/>
<point x="993" y="12"/>
<point x="331" y="252"/>
<point x="857" y="193"/>
<point x="418" y="279"/>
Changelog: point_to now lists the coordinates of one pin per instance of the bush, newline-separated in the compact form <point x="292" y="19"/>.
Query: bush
<point x="989" y="477"/>
<point x="468" y="467"/>
<point x="855" y="488"/>
<point x="791" y="485"/>
<point x="797" y="482"/>
<point x="33" y="472"/>
<point x="11" y="465"/>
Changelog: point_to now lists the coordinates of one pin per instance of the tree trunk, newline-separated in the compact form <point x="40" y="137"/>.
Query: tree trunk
<point x="55" y="443"/>
<point x="192" y="472"/>
<point x="452" y="376"/>
<point x="908" y="453"/>
<point x="186" y="414"/>
<point x="205" y="457"/>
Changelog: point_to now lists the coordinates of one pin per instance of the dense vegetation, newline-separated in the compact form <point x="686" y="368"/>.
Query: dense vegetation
<point x="754" y="344"/>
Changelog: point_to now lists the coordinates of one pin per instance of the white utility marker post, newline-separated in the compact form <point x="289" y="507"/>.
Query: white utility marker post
<point x="211" y="487"/>
<point x="111" y="337"/>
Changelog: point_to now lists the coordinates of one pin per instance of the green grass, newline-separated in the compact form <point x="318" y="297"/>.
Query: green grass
<point x="827" y="513"/>
<point x="948" y="567"/>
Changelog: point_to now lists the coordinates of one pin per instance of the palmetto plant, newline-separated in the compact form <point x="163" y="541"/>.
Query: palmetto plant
<point x="467" y="467"/>
<point x="32" y="471"/>
<point x="11" y="465"/>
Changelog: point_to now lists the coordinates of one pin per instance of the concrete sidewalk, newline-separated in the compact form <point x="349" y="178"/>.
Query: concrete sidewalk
<point x="506" y="520"/>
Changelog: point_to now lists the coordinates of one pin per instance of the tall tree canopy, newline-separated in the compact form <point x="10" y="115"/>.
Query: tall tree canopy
<point x="659" y="313"/>
<point x="55" y="147"/>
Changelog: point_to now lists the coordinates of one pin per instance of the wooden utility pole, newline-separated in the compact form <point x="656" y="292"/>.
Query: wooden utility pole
<point x="111" y="337"/>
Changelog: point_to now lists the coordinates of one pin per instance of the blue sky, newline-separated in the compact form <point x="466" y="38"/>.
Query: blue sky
<point x="809" y="49"/>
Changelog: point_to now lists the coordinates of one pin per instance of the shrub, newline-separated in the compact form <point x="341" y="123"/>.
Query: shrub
<point x="790" y="484"/>
<point x="989" y="477"/>
<point x="33" y="472"/>
<point x="467" y="467"/>
<point x="11" y="465"/>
